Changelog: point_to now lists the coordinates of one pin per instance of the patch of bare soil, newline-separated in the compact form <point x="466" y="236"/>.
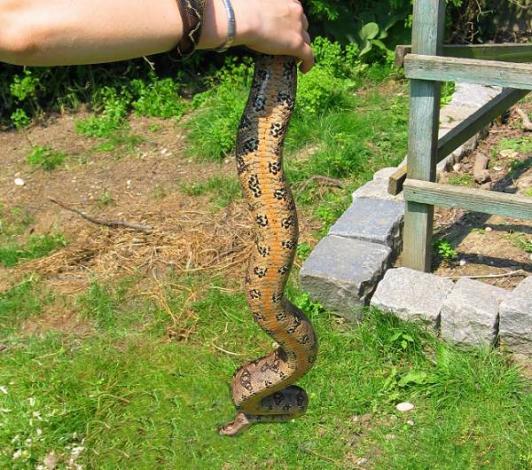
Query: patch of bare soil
<point x="143" y="186"/>
<point x="494" y="248"/>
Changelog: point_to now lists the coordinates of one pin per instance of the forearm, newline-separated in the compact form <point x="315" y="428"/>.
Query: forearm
<point x="69" y="32"/>
<point x="61" y="32"/>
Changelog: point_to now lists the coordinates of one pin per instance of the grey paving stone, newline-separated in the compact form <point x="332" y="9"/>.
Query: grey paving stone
<point x="341" y="273"/>
<point x="377" y="189"/>
<point x="515" y="324"/>
<point x="473" y="95"/>
<point x="470" y="313"/>
<point x="373" y="220"/>
<point x="412" y="295"/>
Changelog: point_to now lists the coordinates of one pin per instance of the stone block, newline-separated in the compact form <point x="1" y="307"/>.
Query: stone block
<point x="372" y="220"/>
<point x="473" y="95"/>
<point x="515" y="324"/>
<point x="378" y="187"/>
<point x="341" y="273"/>
<point x="470" y="314"/>
<point x="412" y="295"/>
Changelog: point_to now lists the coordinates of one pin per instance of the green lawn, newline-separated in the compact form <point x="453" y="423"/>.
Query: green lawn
<point x="143" y="382"/>
<point x="130" y="398"/>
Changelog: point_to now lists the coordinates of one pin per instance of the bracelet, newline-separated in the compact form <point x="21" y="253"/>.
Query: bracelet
<point x="192" y="16"/>
<point x="231" y="27"/>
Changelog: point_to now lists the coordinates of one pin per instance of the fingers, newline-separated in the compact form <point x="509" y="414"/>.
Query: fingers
<point x="307" y="58"/>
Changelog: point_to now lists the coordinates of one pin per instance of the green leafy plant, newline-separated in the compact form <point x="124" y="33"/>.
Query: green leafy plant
<point x="20" y="119"/>
<point x="46" y="158"/>
<point x="445" y="250"/>
<point x="115" y="107"/>
<point x="158" y="98"/>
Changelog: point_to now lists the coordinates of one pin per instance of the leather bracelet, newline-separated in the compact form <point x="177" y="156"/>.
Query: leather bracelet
<point x="192" y="16"/>
<point x="231" y="27"/>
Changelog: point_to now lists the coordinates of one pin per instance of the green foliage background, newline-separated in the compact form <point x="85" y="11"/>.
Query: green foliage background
<point x="373" y="26"/>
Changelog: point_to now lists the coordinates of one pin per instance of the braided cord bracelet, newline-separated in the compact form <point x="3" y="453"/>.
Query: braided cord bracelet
<point x="192" y="16"/>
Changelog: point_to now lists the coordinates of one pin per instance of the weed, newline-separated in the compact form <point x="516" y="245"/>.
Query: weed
<point x="46" y="158"/>
<point x="20" y="119"/>
<point x="521" y="241"/>
<point x="461" y="180"/>
<point x="303" y="251"/>
<point x="37" y="246"/>
<point x="523" y="145"/>
<point x="112" y="118"/>
<point x="158" y="98"/>
<point x="445" y="250"/>
<point x="105" y="199"/>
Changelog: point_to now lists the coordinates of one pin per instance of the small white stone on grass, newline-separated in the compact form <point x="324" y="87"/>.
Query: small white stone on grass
<point x="3" y="389"/>
<point x="463" y="262"/>
<point x="489" y="229"/>
<point x="410" y="422"/>
<point x="19" y="182"/>
<point x="404" y="407"/>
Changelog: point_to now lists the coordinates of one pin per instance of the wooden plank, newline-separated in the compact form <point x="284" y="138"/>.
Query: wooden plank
<point x="477" y="200"/>
<point x="464" y="131"/>
<point x="427" y="38"/>
<point x="507" y="52"/>
<point x="484" y="72"/>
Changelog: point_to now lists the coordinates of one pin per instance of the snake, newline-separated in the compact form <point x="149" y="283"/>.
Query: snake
<point x="263" y="390"/>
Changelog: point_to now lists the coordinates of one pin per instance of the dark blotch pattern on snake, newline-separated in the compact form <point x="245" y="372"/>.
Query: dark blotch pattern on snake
<point x="263" y="390"/>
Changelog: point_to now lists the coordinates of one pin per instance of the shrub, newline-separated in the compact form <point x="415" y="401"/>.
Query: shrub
<point x="45" y="158"/>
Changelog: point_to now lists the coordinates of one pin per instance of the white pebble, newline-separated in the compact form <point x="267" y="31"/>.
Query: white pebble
<point x="489" y="229"/>
<point x="410" y="422"/>
<point x="463" y="262"/>
<point x="405" y="406"/>
<point x="19" y="182"/>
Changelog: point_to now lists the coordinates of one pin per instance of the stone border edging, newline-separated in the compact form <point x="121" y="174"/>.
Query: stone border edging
<point x="344" y="269"/>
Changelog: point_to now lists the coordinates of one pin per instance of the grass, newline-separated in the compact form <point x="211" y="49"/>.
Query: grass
<point x="521" y="241"/>
<point x="127" y="396"/>
<point x="461" y="180"/>
<point x="36" y="246"/>
<point x="221" y="190"/>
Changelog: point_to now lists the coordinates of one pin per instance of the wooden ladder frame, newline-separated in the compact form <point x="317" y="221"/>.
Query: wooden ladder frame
<point x="428" y="64"/>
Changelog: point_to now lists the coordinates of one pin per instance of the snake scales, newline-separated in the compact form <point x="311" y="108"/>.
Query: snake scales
<point x="262" y="390"/>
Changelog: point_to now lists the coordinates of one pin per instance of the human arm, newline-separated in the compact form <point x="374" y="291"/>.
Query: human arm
<point x="69" y="32"/>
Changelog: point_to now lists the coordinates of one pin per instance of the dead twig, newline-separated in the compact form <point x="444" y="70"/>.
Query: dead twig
<point x="527" y="124"/>
<point x="519" y="272"/>
<point x="323" y="181"/>
<point x="106" y="223"/>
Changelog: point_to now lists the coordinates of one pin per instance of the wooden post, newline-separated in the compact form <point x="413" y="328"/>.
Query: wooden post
<point x="427" y="39"/>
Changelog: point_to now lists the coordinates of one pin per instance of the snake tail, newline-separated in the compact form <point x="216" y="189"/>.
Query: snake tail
<point x="263" y="390"/>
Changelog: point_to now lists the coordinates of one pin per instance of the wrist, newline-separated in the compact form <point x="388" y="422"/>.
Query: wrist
<point x="215" y="24"/>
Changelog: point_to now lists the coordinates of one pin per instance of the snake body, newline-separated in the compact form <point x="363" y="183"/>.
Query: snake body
<point x="263" y="390"/>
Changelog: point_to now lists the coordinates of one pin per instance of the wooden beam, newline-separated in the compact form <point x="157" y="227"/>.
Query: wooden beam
<point x="464" y="131"/>
<point x="507" y="52"/>
<point x="477" y="200"/>
<point x="484" y="72"/>
<point x="427" y="38"/>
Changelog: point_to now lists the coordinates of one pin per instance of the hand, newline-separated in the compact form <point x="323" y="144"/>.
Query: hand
<point x="277" y="27"/>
